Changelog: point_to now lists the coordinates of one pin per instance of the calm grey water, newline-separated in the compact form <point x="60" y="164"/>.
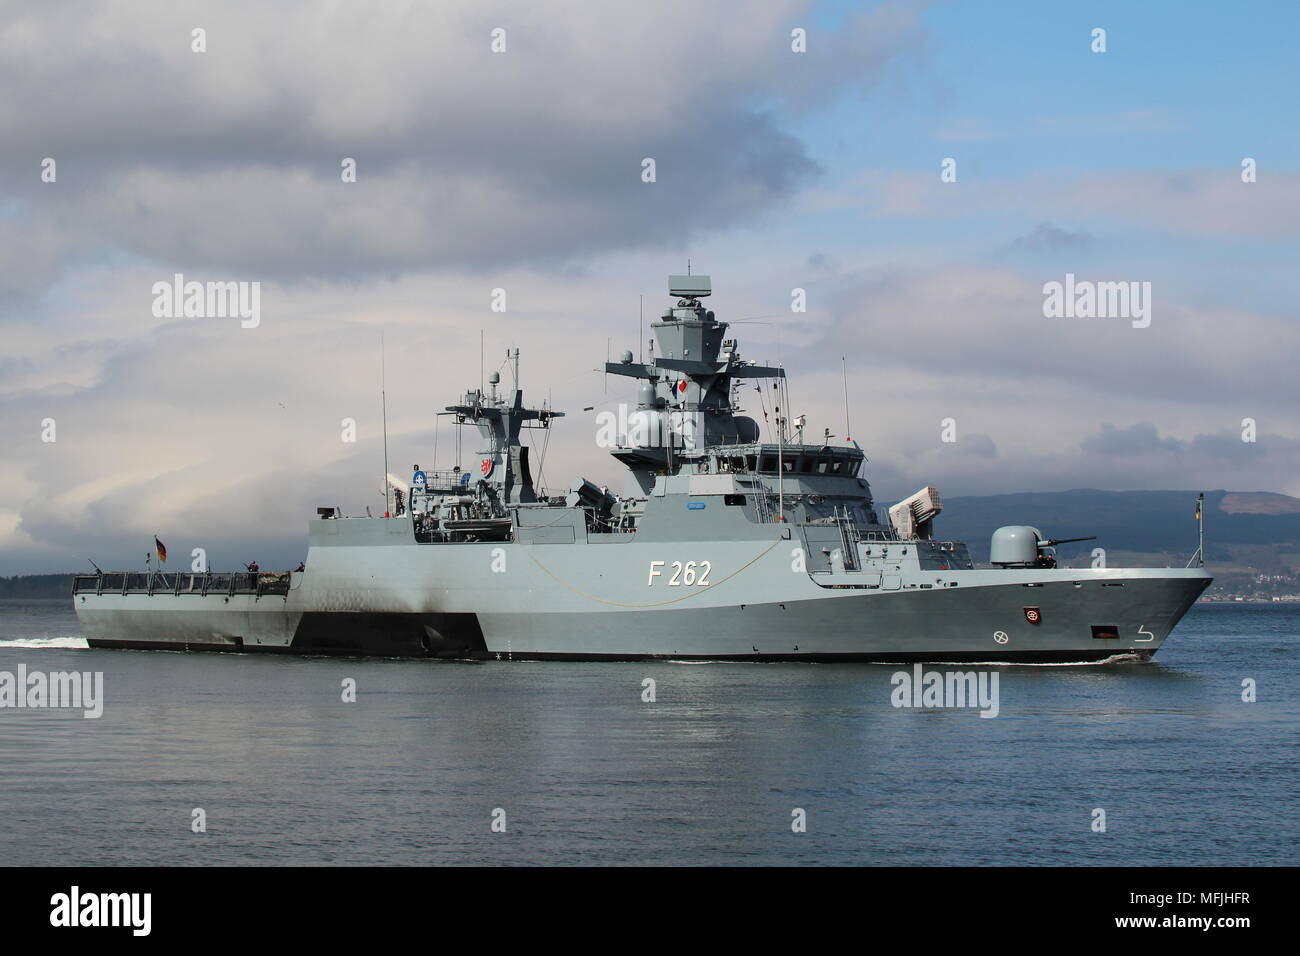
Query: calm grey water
<point x="708" y="774"/>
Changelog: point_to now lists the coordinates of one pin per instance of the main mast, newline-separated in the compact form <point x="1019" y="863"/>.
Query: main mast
<point x="684" y="403"/>
<point x="503" y="459"/>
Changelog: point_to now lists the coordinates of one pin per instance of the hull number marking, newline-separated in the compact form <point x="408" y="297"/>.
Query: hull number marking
<point x="690" y="573"/>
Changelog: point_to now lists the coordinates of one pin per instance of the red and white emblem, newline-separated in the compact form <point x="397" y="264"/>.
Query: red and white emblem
<point x="488" y="466"/>
<point x="1033" y="615"/>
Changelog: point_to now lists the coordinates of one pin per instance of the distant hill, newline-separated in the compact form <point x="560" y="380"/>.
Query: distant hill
<point x="1259" y="503"/>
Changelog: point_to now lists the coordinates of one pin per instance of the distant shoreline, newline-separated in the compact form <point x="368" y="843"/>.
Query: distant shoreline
<point x="1251" y="601"/>
<point x="38" y="585"/>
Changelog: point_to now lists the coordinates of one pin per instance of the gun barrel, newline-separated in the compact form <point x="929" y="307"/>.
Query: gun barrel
<point x="1056" y="541"/>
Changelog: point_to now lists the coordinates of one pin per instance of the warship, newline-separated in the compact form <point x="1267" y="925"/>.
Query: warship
<point x="729" y="542"/>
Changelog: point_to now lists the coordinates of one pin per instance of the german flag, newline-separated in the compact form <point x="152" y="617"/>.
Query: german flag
<point x="161" y="549"/>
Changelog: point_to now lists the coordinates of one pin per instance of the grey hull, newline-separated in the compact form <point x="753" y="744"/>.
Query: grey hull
<point x="599" y="605"/>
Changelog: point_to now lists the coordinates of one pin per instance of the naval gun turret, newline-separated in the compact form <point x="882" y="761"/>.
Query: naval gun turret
<point x="1023" y="546"/>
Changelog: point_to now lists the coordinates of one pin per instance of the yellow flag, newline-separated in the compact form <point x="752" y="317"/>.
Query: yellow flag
<point x="162" y="550"/>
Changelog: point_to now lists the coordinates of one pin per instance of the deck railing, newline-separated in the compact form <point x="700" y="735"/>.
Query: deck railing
<point x="258" y="583"/>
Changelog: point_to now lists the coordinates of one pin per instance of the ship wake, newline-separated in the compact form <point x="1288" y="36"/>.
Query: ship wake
<point x="43" y="642"/>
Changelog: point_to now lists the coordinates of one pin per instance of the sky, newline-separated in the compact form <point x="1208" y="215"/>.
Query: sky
<point x="921" y="171"/>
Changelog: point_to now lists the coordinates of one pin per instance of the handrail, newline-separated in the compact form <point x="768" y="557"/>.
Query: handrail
<point x="176" y="583"/>
<point x="461" y="479"/>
